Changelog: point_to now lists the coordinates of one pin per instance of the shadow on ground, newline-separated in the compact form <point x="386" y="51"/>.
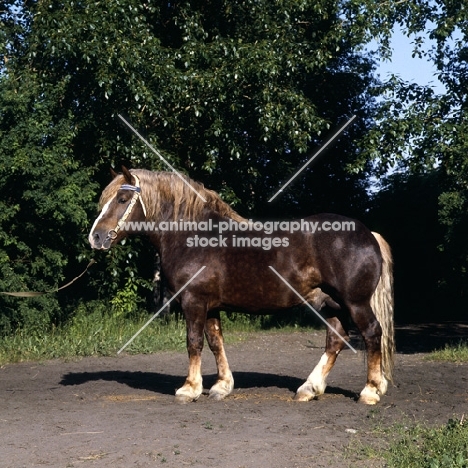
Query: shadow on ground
<point x="166" y="384"/>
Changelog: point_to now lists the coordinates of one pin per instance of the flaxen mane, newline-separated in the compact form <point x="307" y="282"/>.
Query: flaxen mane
<point x="159" y="189"/>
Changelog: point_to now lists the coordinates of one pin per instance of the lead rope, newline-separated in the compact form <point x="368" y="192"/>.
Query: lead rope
<point x="136" y="194"/>
<point x="34" y="294"/>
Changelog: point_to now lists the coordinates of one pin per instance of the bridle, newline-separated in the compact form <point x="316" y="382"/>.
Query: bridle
<point x="112" y="234"/>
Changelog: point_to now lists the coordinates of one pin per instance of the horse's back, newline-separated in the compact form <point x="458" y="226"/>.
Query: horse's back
<point x="329" y="252"/>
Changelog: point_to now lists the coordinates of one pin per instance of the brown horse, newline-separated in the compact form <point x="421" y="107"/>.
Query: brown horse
<point x="326" y="260"/>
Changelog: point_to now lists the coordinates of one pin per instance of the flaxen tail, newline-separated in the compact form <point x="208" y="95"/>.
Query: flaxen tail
<point x="382" y="305"/>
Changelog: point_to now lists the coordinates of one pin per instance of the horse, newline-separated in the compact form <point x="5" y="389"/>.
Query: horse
<point x="258" y="269"/>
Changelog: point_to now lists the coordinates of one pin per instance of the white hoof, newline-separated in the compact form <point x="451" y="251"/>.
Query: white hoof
<point x="308" y="391"/>
<point x="187" y="394"/>
<point x="369" y="396"/>
<point x="221" y="389"/>
<point x="303" y="396"/>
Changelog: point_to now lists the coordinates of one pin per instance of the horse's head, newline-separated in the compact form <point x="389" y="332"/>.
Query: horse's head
<point x="121" y="204"/>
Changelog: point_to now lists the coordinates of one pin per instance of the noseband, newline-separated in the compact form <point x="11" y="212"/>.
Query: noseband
<point x="112" y="234"/>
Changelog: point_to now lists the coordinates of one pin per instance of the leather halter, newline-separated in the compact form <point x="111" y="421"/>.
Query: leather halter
<point x="112" y="234"/>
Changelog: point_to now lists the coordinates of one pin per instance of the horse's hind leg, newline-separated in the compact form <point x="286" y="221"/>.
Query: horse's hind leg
<point x="316" y="382"/>
<point x="225" y="383"/>
<point x="371" y="332"/>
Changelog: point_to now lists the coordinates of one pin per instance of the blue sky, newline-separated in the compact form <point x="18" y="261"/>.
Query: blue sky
<point x="410" y="69"/>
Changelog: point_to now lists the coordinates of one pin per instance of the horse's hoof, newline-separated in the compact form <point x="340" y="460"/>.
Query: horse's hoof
<point x="186" y="395"/>
<point x="309" y="391"/>
<point x="368" y="397"/>
<point x="303" y="396"/>
<point x="221" y="389"/>
<point x="217" y="396"/>
<point x="368" y="401"/>
<point x="184" y="399"/>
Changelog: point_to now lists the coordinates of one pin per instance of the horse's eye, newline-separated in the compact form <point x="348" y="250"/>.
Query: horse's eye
<point x="122" y="200"/>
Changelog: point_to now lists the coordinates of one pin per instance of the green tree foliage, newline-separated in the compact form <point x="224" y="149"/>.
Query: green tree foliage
<point x="42" y="218"/>
<point x="245" y="88"/>
<point x="236" y="94"/>
<point x="424" y="133"/>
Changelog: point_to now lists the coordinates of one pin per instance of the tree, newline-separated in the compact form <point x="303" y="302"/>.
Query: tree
<point x="236" y="94"/>
<point x="424" y="133"/>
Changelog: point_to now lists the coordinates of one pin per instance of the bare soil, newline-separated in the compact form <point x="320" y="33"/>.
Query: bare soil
<point x="119" y="412"/>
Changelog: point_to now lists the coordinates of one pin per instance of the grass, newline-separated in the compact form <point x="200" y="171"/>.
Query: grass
<point x="94" y="331"/>
<point x="93" y="334"/>
<point x="418" y="446"/>
<point x="457" y="353"/>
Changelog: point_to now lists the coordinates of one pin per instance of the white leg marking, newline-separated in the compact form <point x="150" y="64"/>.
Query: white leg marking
<point x="103" y="212"/>
<point x="315" y="383"/>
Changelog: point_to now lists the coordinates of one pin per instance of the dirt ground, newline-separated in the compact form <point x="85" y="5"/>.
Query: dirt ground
<point x="119" y="412"/>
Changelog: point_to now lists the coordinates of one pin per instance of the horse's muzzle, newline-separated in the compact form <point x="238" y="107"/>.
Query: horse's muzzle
<point x="99" y="242"/>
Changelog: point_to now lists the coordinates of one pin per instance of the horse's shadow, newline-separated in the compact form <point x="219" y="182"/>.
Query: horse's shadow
<point x="166" y="384"/>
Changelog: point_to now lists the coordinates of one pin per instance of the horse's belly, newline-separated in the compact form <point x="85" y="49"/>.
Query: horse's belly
<point x="266" y="297"/>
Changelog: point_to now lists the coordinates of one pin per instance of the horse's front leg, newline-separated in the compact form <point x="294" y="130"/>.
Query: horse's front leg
<point x="193" y="386"/>
<point x="214" y="335"/>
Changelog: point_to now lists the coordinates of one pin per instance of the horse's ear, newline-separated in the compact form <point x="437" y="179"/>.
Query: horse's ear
<point x="113" y="173"/>
<point x="128" y="177"/>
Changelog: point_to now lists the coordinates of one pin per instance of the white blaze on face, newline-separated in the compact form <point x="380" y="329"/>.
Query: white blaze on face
<point x="103" y="212"/>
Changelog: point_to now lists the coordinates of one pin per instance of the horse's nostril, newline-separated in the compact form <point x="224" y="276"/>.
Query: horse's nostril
<point x="96" y="237"/>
